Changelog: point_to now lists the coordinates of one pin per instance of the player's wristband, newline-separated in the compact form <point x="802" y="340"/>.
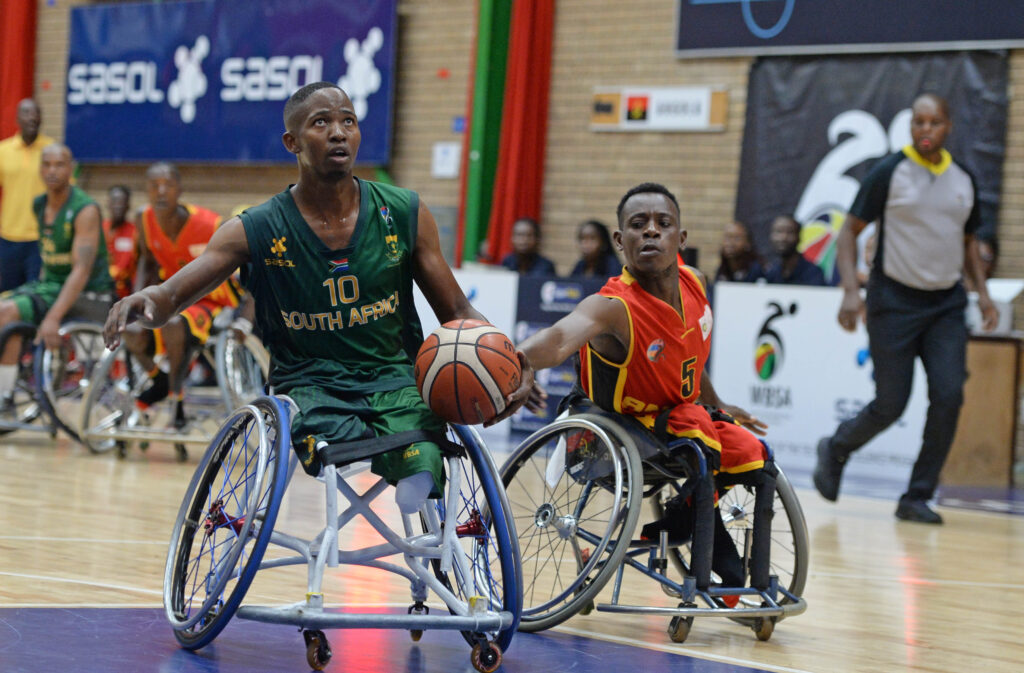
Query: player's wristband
<point x="243" y="325"/>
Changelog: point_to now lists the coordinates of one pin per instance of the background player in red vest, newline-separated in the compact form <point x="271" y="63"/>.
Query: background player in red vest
<point x="120" y="235"/>
<point x="171" y="234"/>
<point x="643" y="340"/>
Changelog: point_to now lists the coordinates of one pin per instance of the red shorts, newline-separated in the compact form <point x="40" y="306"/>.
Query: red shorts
<point x="741" y="451"/>
<point x="199" y="318"/>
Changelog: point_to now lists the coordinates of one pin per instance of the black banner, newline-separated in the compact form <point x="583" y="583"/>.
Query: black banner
<point x="760" y="27"/>
<point x="814" y="127"/>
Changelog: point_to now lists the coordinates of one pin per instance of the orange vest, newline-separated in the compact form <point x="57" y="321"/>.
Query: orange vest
<point x="173" y="255"/>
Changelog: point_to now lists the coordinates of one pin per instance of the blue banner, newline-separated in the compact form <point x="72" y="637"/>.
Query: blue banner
<point x="207" y="81"/>
<point x="757" y="27"/>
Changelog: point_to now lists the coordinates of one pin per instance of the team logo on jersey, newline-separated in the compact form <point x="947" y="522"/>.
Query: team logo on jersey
<point x="278" y="248"/>
<point x="706" y="321"/>
<point x="338" y="265"/>
<point x="386" y="215"/>
<point x="655" y="350"/>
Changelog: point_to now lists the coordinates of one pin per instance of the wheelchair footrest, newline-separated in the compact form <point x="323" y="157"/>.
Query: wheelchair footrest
<point x="304" y="617"/>
<point x="779" y="611"/>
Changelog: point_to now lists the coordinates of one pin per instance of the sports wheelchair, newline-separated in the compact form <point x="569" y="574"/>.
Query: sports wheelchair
<point x="576" y="487"/>
<point x="110" y="420"/>
<point x="51" y="384"/>
<point x="462" y="547"/>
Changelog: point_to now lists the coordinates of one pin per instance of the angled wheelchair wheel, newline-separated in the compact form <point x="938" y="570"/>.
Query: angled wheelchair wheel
<point x="242" y="364"/>
<point x="109" y="402"/>
<point x="225" y="521"/>
<point x="22" y="408"/>
<point x="62" y="377"/>
<point x="790" y="549"/>
<point x="490" y="569"/>
<point x="575" y="489"/>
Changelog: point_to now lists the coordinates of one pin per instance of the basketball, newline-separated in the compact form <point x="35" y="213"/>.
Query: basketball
<point x="465" y="369"/>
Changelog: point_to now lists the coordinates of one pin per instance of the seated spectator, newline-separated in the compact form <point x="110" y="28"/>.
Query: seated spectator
<point x="597" y="257"/>
<point x="792" y="268"/>
<point x="525" y="256"/>
<point x="739" y="261"/>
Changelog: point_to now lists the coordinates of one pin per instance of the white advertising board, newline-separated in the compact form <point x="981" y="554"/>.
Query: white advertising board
<point x="778" y="352"/>
<point x="493" y="292"/>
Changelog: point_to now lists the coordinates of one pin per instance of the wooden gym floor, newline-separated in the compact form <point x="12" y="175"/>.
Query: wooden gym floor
<point x="83" y="540"/>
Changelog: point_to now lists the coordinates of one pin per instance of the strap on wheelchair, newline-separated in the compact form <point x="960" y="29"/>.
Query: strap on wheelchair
<point x="23" y="329"/>
<point x="343" y="453"/>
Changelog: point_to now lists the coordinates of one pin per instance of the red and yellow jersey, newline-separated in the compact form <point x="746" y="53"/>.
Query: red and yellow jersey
<point x="666" y="353"/>
<point x="664" y="361"/>
<point x="173" y="255"/>
<point x="122" y="253"/>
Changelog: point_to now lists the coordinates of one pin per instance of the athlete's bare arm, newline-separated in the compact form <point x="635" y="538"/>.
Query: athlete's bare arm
<point x="84" y="246"/>
<point x="155" y="305"/>
<point x="434" y="278"/>
<point x="601" y="321"/>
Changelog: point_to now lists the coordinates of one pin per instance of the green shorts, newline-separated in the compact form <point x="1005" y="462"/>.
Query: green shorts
<point x="328" y="417"/>
<point x="34" y="299"/>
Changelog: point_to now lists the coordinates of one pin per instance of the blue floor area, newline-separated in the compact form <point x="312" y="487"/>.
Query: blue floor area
<point x="115" y="640"/>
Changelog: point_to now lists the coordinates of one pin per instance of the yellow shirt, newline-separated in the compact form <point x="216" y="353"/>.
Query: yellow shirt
<point x="20" y="181"/>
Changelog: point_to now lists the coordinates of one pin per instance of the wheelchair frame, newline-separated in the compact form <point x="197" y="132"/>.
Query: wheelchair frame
<point x="613" y="466"/>
<point x="45" y="386"/>
<point x="487" y="612"/>
<point x="118" y="382"/>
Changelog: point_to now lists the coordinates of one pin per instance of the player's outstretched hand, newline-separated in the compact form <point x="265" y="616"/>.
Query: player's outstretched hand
<point x="135" y="307"/>
<point x="746" y="419"/>
<point x="520" y="395"/>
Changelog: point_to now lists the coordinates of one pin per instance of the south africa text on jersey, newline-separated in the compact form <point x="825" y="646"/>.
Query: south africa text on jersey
<point x="335" y="320"/>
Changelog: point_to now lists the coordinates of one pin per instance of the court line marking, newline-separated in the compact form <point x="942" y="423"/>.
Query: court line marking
<point x="68" y="580"/>
<point x="920" y="580"/>
<point x="679" y="649"/>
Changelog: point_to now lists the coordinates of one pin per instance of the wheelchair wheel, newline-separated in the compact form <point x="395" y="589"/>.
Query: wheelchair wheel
<point x="225" y="522"/>
<point x="24" y="406"/>
<point x="575" y="489"/>
<point x="790" y="549"/>
<point x="492" y="570"/>
<point x="109" y="402"/>
<point x="62" y="377"/>
<point x="242" y="364"/>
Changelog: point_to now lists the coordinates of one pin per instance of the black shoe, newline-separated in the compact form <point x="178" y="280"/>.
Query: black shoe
<point x="828" y="471"/>
<point x="158" y="389"/>
<point x="917" y="511"/>
<point x="180" y="419"/>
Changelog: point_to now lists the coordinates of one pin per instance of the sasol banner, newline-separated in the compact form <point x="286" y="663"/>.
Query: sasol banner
<point x="778" y="352"/>
<point x="749" y="27"/>
<point x="207" y="81"/>
<point x="815" y="127"/>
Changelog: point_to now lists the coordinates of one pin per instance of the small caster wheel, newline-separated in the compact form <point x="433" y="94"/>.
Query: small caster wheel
<point x="318" y="652"/>
<point x="763" y="628"/>
<point x="587" y="608"/>
<point x="486" y="657"/>
<point x="416" y="634"/>
<point x="417" y="608"/>
<point x="122" y="449"/>
<point x="180" y="452"/>
<point x="679" y="629"/>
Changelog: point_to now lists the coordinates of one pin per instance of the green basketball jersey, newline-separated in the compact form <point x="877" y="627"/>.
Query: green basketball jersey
<point x="343" y="320"/>
<point x="56" y="239"/>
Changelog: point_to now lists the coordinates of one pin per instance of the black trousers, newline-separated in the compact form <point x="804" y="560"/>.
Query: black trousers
<point x="903" y="324"/>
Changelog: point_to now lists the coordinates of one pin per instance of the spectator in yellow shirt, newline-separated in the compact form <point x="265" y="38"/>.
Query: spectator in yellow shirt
<point x="20" y="183"/>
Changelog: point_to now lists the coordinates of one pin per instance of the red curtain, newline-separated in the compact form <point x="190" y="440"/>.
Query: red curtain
<point x="519" y="183"/>
<point x="17" y="59"/>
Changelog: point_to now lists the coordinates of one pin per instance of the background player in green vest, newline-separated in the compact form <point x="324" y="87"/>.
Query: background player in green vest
<point x="75" y="280"/>
<point x="330" y="263"/>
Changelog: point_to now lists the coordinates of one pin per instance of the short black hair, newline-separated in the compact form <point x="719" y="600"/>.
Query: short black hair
<point x="164" y="166"/>
<point x="530" y="221"/>
<point x="121" y="188"/>
<point x="939" y="100"/>
<point x="645" y="188"/>
<point x="300" y="96"/>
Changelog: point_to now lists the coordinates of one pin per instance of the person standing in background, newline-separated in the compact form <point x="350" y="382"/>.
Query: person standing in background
<point x="120" y="235"/>
<point x="926" y="209"/>
<point x="20" y="183"/>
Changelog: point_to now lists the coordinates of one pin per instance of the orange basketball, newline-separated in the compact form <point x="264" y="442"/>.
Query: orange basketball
<point x="465" y="369"/>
